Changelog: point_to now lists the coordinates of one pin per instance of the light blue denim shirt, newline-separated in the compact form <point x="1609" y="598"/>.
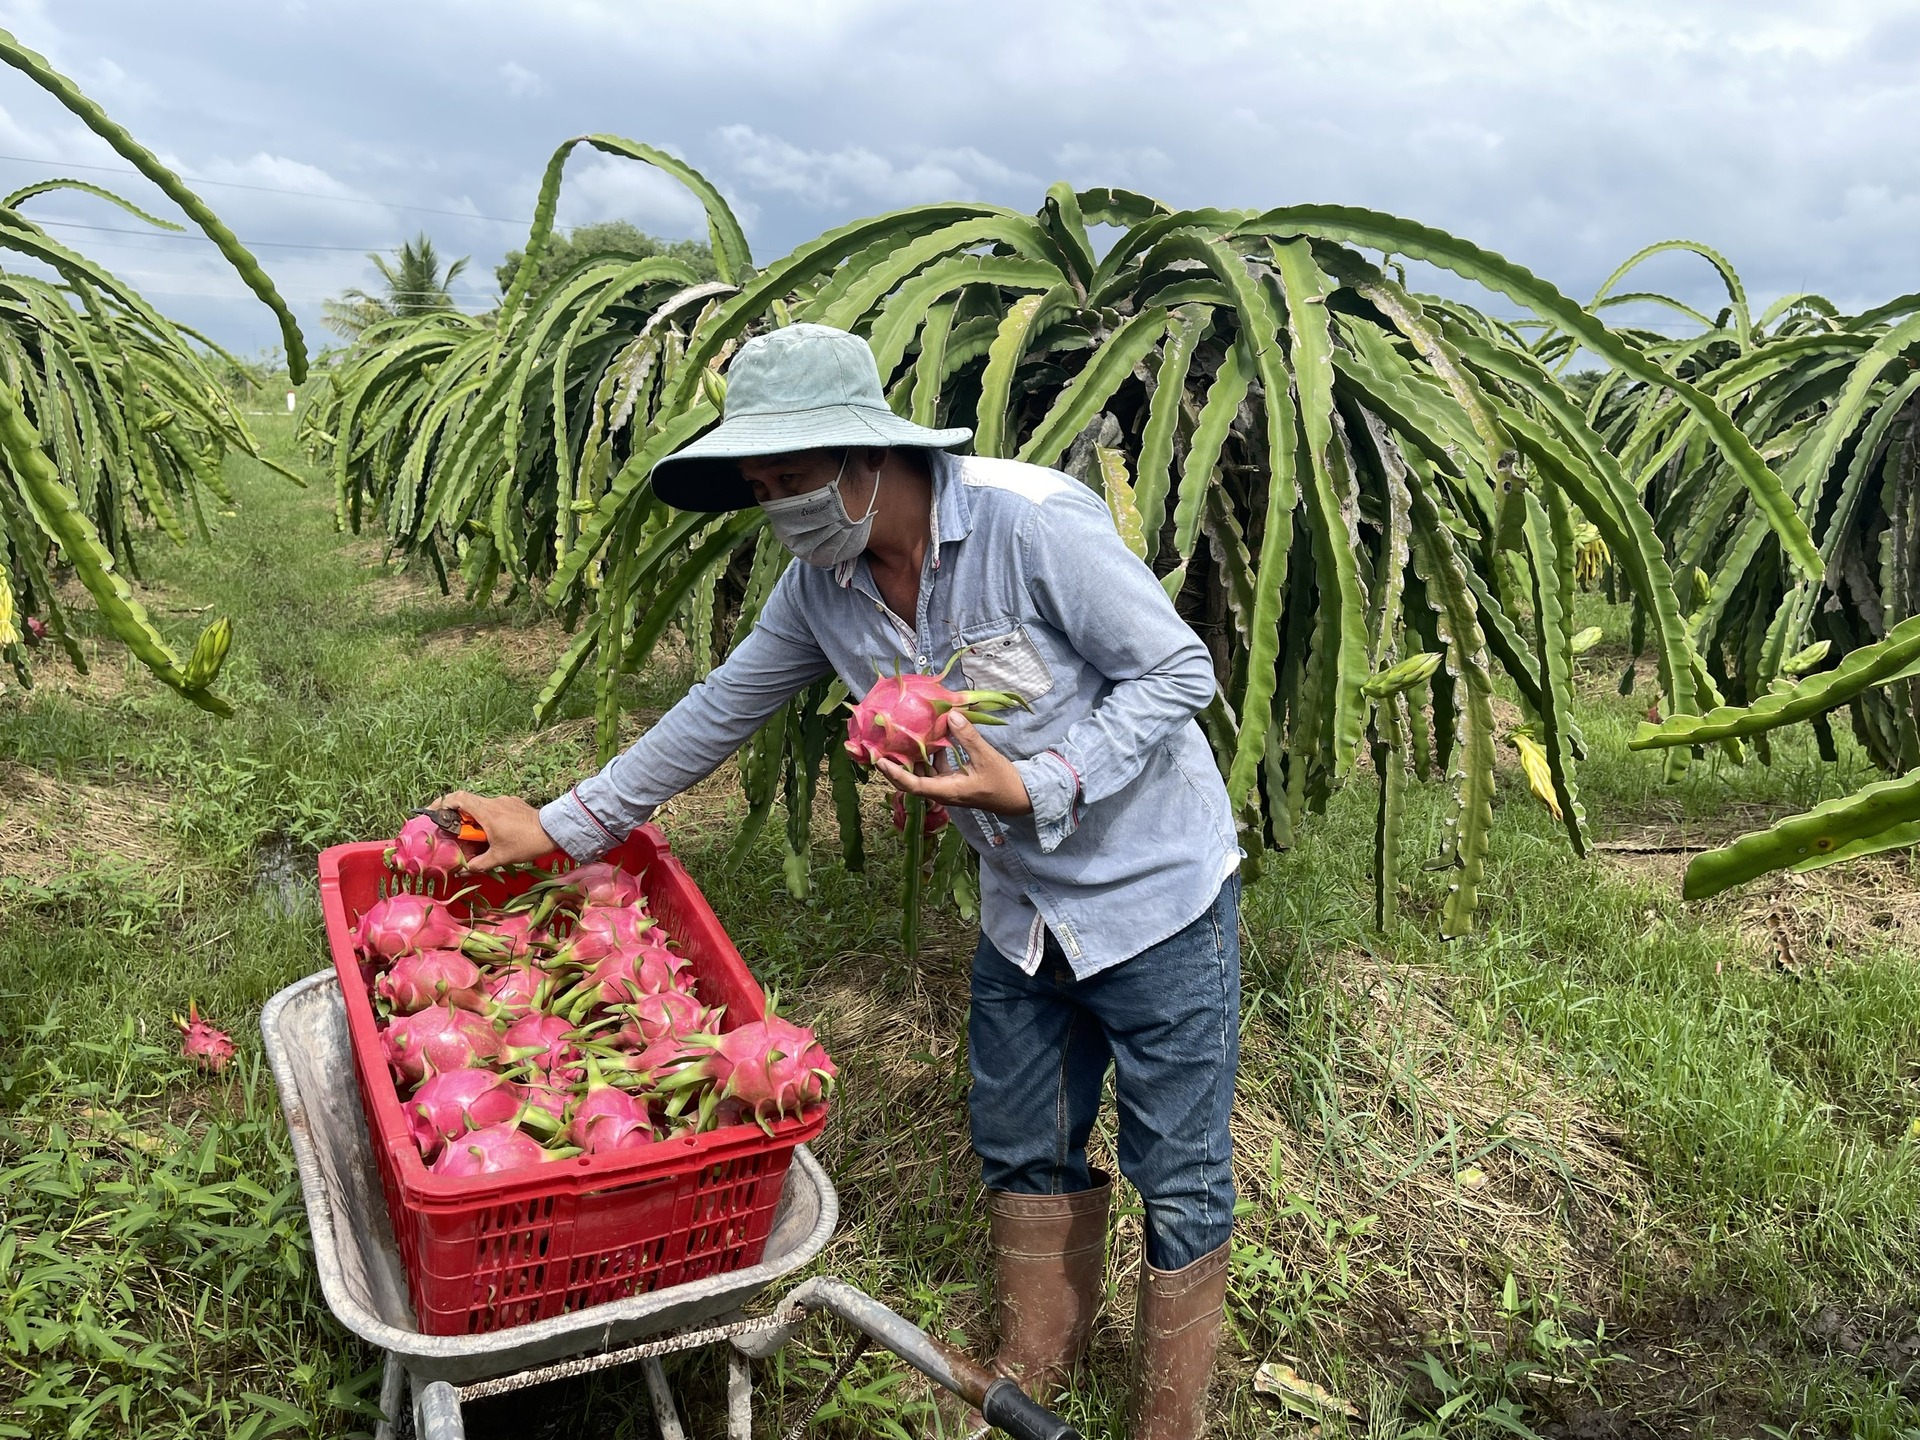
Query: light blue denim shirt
<point x="1130" y="836"/>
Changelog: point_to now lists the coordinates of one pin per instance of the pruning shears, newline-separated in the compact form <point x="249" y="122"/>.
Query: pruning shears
<point x="454" y="822"/>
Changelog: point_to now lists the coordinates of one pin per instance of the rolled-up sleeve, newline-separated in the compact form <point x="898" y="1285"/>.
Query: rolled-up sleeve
<point x="1107" y="603"/>
<point x="779" y="658"/>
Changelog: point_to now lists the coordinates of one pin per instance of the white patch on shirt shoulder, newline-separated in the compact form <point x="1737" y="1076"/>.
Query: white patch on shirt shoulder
<point x="1033" y="483"/>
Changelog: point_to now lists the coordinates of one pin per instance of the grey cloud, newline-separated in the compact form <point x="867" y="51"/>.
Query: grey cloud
<point x="1563" y="134"/>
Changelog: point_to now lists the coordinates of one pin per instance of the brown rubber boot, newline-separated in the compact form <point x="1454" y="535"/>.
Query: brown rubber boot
<point x="1049" y="1273"/>
<point x="1176" y="1330"/>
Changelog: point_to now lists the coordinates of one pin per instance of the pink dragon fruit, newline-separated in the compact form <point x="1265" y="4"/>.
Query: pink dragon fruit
<point x="36" y="630"/>
<point x="517" y="990"/>
<point x="510" y="937"/>
<point x="545" y="1040"/>
<point x="904" y="718"/>
<point x="607" y="1118"/>
<point x="935" y="822"/>
<point x="602" y="931"/>
<point x="432" y="977"/>
<point x="546" y="1099"/>
<point x="772" y="1067"/>
<point x="659" y="1063"/>
<point x="493" y="1149"/>
<point x="207" y="1047"/>
<point x="600" y="884"/>
<point x="424" y="850"/>
<point x="436" y="1040"/>
<point x="625" y="976"/>
<point x="405" y="922"/>
<point x="447" y="1106"/>
<point x="665" y="1014"/>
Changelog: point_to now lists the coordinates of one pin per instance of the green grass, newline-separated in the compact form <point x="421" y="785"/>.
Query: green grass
<point x="1699" y="1205"/>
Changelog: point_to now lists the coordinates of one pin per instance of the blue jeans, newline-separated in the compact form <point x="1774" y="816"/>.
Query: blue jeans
<point x="1168" y="1021"/>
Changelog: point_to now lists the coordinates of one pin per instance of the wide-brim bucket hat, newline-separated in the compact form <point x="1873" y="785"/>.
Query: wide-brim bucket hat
<point x="804" y="387"/>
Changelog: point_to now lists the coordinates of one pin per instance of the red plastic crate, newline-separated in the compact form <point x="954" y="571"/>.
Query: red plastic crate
<point x="487" y="1251"/>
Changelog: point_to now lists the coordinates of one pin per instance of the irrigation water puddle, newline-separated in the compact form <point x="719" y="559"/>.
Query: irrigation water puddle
<point x="284" y="877"/>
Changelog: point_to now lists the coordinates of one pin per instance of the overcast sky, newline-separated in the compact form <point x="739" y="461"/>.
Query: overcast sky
<point x="1564" y="135"/>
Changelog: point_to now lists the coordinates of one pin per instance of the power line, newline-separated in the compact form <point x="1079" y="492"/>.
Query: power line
<point x="274" y="190"/>
<point x="168" y="235"/>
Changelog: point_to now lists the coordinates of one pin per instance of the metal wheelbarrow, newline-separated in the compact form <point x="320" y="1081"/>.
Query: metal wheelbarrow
<point x="359" y="1265"/>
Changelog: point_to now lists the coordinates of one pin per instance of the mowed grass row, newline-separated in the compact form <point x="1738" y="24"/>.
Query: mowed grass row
<point x="1604" y="1158"/>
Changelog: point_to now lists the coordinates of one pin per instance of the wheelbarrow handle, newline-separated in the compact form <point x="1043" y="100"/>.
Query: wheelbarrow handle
<point x="1008" y="1406"/>
<point x="1001" y="1402"/>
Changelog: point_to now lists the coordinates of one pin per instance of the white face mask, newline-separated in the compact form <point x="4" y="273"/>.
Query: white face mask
<point x="816" y="527"/>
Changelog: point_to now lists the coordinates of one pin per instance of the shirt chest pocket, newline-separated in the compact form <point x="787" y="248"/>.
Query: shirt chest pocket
<point x="1008" y="662"/>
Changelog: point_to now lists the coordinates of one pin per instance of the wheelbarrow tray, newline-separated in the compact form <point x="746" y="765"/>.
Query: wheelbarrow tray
<point x="361" y="1275"/>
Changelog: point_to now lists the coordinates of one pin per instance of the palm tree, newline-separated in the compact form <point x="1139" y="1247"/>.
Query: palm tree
<point x="414" y="285"/>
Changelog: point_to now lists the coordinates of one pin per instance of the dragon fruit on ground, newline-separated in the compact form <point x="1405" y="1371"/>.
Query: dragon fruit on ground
<point x="201" y="1043"/>
<point x="935" y="822"/>
<point x="436" y="1040"/>
<point x="904" y="718"/>
<point x="422" y="849"/>
<point x="447" y="1106"/>
<point x="496" y="1148"/>
<point x="432" y="977"/>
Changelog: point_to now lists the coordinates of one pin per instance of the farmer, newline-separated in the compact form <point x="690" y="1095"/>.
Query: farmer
<point x="1109" y="929"/>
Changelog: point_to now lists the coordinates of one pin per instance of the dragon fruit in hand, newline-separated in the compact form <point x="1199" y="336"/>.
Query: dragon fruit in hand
<point x="904" y="718"/>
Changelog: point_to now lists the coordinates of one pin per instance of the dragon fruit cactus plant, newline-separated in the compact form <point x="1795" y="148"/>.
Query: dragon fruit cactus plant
<point x="904" y="718"/>
<point x="207" y="1047"/>
<point x="432" y="977"/>
<point x="436" y="1040"/>
<point x="448" y="1105"/>
<point x="425" y="851"/>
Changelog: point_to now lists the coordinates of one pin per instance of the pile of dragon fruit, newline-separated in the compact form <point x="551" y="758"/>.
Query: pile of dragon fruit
<point x="561" y="1024"/>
